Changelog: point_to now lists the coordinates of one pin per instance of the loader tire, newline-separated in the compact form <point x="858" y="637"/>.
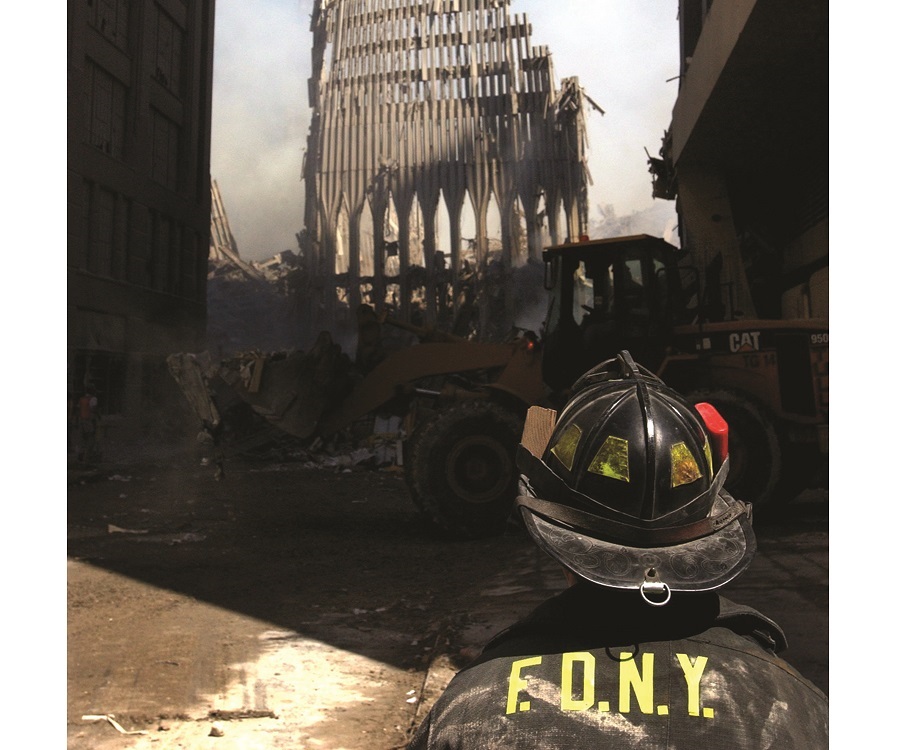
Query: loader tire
<point x="755" y="467"/>
<point x="462" y="468"/>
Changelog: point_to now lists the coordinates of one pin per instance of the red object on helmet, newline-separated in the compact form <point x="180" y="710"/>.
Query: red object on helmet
<point x="718" y="430"/>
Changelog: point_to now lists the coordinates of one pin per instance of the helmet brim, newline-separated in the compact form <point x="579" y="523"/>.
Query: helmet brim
<point x="699" y="565"/>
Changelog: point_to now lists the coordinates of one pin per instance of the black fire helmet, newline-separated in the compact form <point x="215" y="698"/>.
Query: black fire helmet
<point x="626" y="487"/>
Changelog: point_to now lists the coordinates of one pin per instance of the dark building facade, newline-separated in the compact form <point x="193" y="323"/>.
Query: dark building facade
<point x="139" y="114"/>
<point x="746" y="153"/>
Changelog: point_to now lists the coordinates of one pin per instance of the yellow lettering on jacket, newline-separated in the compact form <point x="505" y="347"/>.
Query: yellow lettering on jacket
<point x="580" y="688"/>
<point x="630" y="679"/>
<point x="567" y="701"/>
<point x="692" y="674"/>
<point x="517" y="684"/>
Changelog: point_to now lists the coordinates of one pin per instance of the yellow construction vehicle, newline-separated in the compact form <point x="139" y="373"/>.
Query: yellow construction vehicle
<point x="463" y="402"/>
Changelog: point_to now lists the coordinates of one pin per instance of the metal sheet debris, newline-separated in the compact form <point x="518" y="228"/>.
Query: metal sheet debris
<point x="112" y="529"/>
<point x="111" y="719"/>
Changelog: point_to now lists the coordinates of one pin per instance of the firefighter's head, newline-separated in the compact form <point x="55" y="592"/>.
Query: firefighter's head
<point x="625" y="488"/>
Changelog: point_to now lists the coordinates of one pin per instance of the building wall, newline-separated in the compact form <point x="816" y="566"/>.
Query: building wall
<point x="139" y="112"/>
<point x="748" y="143"/>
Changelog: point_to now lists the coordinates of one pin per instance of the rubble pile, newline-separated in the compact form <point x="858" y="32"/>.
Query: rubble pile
<point x="261" y="387"/>
<point x="249" y="307"/>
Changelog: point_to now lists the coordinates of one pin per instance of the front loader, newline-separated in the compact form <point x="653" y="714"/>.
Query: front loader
<point x="768" y="378"/>
<point x="462" y="403"/>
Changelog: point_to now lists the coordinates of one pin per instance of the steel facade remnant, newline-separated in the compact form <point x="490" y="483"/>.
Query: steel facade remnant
<point x="423" y="101"/>
<point x="221" y="241"/>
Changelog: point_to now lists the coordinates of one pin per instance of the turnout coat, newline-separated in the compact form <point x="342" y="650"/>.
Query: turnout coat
<point x="599" y="668"/>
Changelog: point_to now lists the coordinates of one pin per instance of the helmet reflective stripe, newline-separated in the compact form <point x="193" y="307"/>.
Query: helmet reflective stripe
<point x="708" y="453"/>
<point x="684" y="465"/>
<point x="612" y="459"/>
<point x="566" y="446"/>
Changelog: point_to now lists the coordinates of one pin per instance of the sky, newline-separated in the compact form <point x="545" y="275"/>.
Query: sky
<point x="624" y="52"/>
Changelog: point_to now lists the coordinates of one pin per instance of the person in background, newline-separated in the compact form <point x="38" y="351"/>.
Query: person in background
<point x="87" y="418"/>
<point x="625" y="490"/>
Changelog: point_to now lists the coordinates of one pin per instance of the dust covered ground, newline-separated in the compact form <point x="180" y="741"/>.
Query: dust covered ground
<point x="289" y="606"/>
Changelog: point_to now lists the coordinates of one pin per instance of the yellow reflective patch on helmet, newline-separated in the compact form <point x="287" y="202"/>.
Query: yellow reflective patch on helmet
<point x="565" y="447"/>
<point x="708" y="453"/>
<point x="612" y="459"/>
<point x="684" y="466"/>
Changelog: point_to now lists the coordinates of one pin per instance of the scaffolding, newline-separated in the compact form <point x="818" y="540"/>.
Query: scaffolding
<point x="422" y="109"/>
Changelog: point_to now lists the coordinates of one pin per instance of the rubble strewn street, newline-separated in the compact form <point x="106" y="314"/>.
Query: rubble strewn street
<point x="307" y="604"/>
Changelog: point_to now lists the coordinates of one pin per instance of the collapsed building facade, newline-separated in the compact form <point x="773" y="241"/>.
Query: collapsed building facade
<point x="424" y="110"/>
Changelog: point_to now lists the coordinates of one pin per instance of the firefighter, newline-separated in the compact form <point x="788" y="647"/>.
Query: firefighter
<point x="625" y="490"/>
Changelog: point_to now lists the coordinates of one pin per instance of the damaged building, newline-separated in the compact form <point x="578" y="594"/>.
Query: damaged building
<point x="431" y="119"/>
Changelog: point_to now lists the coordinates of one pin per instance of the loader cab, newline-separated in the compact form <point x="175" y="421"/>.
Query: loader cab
<point x="608" y="295"/>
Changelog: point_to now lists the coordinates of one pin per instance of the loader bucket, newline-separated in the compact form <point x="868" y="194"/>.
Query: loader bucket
<point x="291" y="391"/>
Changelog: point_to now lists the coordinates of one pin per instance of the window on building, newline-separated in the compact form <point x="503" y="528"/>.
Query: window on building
<point x="110" y="18"/>
<point x="105" y="371"/>
<point x="107" y="111"/>
<point x="101" y="231"/>
<point x="107" y="236"/>
<point x="165" y="137"/>
<point x="162" y="239"/>
<point x="189" y="265"/>
<point x="176" y="256"/>
<point x="172" y="252"/>
<point x="119" y="261"/>
<point x="169" y="42"/>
